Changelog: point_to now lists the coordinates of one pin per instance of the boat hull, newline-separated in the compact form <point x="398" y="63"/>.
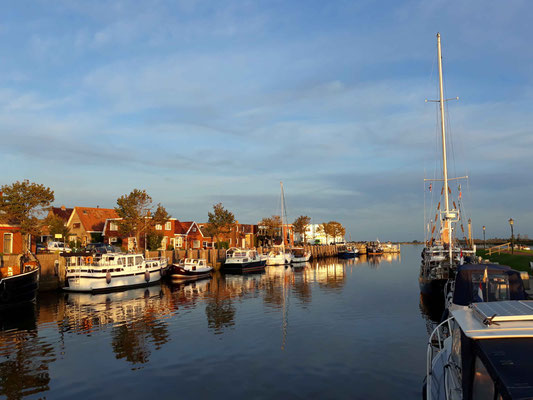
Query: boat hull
<point x="433" y="288"/>
<point x="18" y="289"/>
<point x="100" y="281"/>
<point x="244" y="266"/>
<point x="177" y="272"/>
<point x="347" y="255"/>
<point x="300" y="260"/>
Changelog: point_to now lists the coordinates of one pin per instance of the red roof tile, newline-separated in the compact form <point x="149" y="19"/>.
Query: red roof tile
<point x="93" y="219"/>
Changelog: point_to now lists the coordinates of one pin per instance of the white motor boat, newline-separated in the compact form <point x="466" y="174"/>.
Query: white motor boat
<point x="112" y="271"/>
<point x="279" y="256"/>
<point x="243" y="260"/>
<point x="300" y="255"/>
<point x="483" y="351"/>
<point x="189" y="269"/>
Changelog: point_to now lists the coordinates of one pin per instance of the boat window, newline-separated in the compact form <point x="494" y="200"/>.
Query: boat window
<point x="130" y="261"/>
<point x="483" y="387"/>
<point x="120" y="261"/>
<point x="138" y="260"/>
<point x="496" y="288"/>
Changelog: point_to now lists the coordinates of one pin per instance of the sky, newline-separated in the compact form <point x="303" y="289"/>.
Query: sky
<point x="201" y="102"/>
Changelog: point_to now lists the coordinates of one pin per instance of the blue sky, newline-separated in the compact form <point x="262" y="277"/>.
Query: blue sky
<point x="205" y="102"/>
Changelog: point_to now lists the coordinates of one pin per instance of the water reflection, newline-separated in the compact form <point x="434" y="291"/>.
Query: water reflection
<point x="24" y="356"/>
<point x="139" y="325"/>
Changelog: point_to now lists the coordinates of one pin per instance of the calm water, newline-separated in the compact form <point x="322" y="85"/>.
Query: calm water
<point x="334" y="329"/>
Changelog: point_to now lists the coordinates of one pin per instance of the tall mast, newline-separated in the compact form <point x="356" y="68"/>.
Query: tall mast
<point x="443" y="131"/>
<point x="282" y="218"/>
<point x="447" y="216"/>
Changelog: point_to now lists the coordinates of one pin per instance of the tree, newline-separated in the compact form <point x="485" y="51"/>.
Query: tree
<point x="21" y="203"/>
<point x="56" y="226"/>
<point x="135" y="211"/>
<point x="271" y="226"/>
<point x="325" y="229"/>
<point x="336" y="229"/>
<point x="154" y="240"/>
<point x="300" y="225"/>
<point x="220" y="221"/>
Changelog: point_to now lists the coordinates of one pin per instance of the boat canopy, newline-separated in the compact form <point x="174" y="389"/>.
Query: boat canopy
<point x="502" y="283"/>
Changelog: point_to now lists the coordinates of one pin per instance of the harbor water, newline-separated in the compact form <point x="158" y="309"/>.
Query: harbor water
<point x="336" y="329"/>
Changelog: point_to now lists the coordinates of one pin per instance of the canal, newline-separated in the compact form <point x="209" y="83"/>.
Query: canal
<point x="333" y="329"/>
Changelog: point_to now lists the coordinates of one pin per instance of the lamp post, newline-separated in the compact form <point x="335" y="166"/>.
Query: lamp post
<point x="484" y="241"/>
<point x="511" y="222"/>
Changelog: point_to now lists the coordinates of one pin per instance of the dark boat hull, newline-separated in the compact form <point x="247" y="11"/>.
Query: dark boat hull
<point x="432" y="288"/>
<point x="346" y="255"/>
<point x="244" y="267"/>
<point x="19" y="288"/>
<point x="178" y="272"/>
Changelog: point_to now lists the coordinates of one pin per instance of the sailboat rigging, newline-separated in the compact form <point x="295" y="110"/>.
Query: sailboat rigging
<point x="441" y="256"/>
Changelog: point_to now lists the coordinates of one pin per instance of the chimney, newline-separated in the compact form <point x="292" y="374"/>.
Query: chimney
<point x="63" y="208"/>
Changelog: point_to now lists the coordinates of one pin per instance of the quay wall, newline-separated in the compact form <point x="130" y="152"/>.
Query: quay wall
<point x="52" y="275"/>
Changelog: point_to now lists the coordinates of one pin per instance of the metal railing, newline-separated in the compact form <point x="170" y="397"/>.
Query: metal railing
<point x="436" y="341"/>
<point x="499" y="248"/>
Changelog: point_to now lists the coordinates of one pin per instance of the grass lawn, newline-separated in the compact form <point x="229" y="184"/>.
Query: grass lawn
<point x="519" y="260"/>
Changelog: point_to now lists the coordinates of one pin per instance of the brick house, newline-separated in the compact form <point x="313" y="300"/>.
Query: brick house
<point x="86" y="224"/>
<point x="11" y="239"/>
<point x="240" y="235"/>
<point x="177" y="234"/>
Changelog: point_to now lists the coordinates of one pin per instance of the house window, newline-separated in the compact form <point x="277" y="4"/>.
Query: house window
<point x="76" y="225"/>
<point x="113" y="226"/>
<point x="194" y="229"/>
<point x="8" y="243"/>
<point x="158" y="227"/>
<point x="113" y="240"/>
<point x="180" y="242"/>
<point x="196" y="244"/>
<point x="168" y="226"/>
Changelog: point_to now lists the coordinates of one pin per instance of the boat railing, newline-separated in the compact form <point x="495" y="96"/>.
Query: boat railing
<point x="436" y="344"/>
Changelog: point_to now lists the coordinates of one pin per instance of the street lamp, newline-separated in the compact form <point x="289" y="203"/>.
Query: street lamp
<point x="484" y="241"/>
<point x="511" y="222"/>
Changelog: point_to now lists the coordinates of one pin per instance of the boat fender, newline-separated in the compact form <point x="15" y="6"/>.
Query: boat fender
<point x="147" y="276"/>
<point x="194" y="268"/>
<point x="108" y="277"/>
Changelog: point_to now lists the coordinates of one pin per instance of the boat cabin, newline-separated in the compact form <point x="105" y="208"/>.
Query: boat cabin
<point x="487" y="282"/>
<point x="489" y="354"/>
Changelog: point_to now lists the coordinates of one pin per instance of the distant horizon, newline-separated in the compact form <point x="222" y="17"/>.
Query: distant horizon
<point x="200" y="103"/>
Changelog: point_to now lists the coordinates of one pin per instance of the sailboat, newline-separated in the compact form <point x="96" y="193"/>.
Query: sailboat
<point x="442" y="254"/>
<point x="281" y="255"/>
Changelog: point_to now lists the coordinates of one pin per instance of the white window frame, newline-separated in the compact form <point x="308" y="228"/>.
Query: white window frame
<point x="113" y="226"/>
<point x="10" y="243"/>
<point x="158" y="227"/>
<point x="168" y="225"/>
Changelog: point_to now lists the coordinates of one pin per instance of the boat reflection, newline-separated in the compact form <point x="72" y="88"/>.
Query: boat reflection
<point x="24" y="356"/>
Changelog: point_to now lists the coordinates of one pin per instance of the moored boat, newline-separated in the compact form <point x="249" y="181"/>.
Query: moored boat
<point x="112" y="271"/>
<point x="279" y="256"/>
<point x="442" y="254"/>
<point x="346" y="252"/>
<point x="189" y="269"/>
<point x="482" y="351"/>
<point x="374" y="248"/>
<point x="300" y="255"/>
<point x="243" y="260"/>
<point x="18" y="283"/>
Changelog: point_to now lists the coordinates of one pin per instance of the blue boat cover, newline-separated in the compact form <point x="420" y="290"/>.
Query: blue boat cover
<point x="502" y="283"/>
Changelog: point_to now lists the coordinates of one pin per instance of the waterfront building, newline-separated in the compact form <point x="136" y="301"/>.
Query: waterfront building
<point x="176" y="235"/>
<point x="314" y="234"/>
<point x="86" y="224"/>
